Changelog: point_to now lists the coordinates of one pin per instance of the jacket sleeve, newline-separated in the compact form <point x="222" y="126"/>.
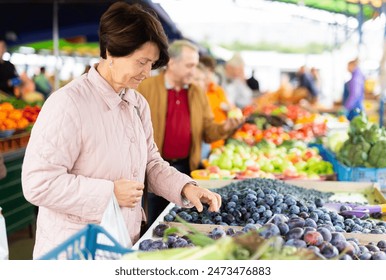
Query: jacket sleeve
<point x="53" y="148"/>
<point x="163" y="180"/>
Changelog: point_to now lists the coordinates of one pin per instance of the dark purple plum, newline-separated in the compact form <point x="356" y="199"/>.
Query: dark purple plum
<point x="382" y="245"/>
<point x="298" y="243"/>
<point x="337" y="237"/>
<point x="295" y="233"/>
<point x="379" y="256"/>
<point x="325" y="233"/>
<point x="180" y="243"/>
<point x="284" y="229"/>
<point x="310" y="223"/>
<point x="328" y="250"/>
<point x="160" y="229"/>
<point x="158" y="245"/>
<point x="372" y="248"/>
<point x="346" y="257"/>
<point x="145" y="244"/>
<point x="365" y="256"/>
<point x="296" y="222"/>
<point x="269" y="230"/>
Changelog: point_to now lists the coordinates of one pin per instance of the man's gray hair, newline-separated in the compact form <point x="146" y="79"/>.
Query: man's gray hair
<point x="175" y="48"/>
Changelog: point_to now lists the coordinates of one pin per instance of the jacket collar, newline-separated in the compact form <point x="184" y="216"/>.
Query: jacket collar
<point x="107" y="93"/>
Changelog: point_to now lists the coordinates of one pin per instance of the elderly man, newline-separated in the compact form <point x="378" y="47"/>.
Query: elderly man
<point x="181" y="115"/>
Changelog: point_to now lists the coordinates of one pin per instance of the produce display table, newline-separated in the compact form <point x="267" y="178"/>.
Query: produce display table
<point x="18" y="213"/>
<point x="360" y="192"/>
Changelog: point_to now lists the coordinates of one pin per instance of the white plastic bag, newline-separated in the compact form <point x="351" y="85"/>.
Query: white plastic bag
<point x="3" y="239"/>
<point x="113" y="223"/>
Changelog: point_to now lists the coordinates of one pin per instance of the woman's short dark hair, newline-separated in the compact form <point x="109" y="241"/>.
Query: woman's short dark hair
<point x="124" y="28"/>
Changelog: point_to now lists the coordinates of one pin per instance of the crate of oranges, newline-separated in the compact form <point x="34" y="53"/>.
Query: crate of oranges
<point x="11" y="120"/>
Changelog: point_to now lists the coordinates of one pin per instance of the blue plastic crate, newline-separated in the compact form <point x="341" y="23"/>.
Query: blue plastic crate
<point x="361" y="174"/>
<point x="353" y="174"/>
<point x="84" y="245"/>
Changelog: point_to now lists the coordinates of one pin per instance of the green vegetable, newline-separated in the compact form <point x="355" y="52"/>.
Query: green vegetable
<point x="377" y="155"/>
<point x="359" y="124"/>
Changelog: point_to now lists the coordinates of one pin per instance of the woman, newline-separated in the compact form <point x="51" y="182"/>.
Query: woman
<point x="94" y="138"/>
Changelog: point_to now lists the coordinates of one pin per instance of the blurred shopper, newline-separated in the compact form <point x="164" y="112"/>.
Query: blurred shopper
<point x="9" y="78"/>
<point x="254" y="85"/>
<point x="218" y="100"/>
<point x="235" y="85"/>
<point x="354" y="90"/>
<point x="94" y="138"/>
<point x="180" y="112"/>
<point x="306" y="82"/>
<point x="42" y="83"/>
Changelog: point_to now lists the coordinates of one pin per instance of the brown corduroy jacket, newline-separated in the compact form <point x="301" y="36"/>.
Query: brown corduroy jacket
<point x="201" y="117"/>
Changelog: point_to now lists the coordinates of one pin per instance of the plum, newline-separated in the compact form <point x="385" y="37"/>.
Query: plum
<point x="379" y="256"/>
<point x="337" y="237"/>
<point x="145" y="244"/>
<point x="283" y="227"/>
<point x="180" y="243"/>
<point x="346" y="257"/>
<point x="217" y="233"/>
<point x="328" y="250"/>
<point x="372" y="248"/>
<point x="382" y="245"/>
<point x="269" y="230"/>
<point x="310" y="223"/>
<point x="158" y="245"/>
<point x="313" y="238"/>
<point x="298" y="243"/>
<point x="160" y="229"/>
<point x="296" y="222"/>
<point x="365" y="256"/>
<point x="295" y="233"/>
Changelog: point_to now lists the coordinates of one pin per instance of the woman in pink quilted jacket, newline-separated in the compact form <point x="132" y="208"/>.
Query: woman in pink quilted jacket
<point x="94" y="138"/>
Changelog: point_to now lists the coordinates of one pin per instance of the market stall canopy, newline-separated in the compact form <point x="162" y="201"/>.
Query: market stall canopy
<point x="26" y="21"/>
<point x="346" y="7"/>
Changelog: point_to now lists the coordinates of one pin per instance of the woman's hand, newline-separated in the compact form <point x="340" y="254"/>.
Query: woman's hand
<point x="128" y="193"/>
<point x="197" y="195"/>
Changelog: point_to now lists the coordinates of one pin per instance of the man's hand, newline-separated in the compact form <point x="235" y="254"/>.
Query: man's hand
<point x="233" y="123"/>
<point x="128" y="193"/>
<point x="197" y="195"/>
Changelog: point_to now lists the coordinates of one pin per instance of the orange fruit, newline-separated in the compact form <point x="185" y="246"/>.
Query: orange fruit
<point x="6" y="106"/>
<point x="15" y="114"/>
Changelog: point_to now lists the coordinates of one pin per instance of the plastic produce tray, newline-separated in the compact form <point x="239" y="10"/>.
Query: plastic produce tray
<point x="84" y="245"/>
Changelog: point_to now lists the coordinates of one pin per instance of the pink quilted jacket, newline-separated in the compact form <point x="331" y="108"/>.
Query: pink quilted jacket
<point x="86" y="137"/>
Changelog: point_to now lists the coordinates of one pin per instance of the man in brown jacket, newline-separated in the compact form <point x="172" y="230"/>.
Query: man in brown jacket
<point x="181" y="114"/>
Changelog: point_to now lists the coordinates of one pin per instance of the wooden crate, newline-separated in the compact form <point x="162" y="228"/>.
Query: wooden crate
<point x="14" y="142"/>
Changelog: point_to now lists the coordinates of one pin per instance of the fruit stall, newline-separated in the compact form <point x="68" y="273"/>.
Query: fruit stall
<point x="16" y="120"/>
<point x="270" y="219"/>
<point x="280" y="198"/>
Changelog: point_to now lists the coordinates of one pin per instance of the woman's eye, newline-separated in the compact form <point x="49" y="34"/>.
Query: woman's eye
<point x="142" y="63"/>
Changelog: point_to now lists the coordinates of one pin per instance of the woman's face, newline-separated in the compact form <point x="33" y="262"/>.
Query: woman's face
<point x="131" y="70"/>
